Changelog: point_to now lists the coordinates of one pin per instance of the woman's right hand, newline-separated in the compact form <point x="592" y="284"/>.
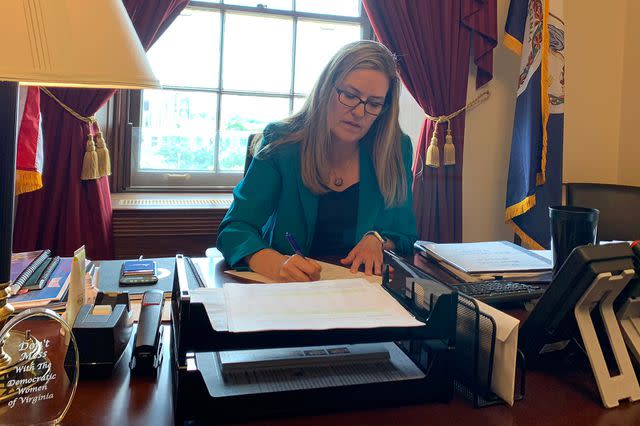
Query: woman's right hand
<point x="283" y="268"/>
<point x="297" y="268"/>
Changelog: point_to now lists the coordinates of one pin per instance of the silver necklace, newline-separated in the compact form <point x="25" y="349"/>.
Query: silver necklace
<point x="338" y="181"/>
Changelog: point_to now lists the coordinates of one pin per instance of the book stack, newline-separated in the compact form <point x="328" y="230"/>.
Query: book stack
<point x="47" y="276"/>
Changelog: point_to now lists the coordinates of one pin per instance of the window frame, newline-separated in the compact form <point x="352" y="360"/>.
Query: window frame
<point x="125" y="108"/>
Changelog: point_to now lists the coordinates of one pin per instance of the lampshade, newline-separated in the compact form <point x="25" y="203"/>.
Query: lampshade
<point x="71" y="43"/>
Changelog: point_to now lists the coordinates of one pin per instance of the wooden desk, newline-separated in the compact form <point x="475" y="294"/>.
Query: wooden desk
<point x="566" y="394"/>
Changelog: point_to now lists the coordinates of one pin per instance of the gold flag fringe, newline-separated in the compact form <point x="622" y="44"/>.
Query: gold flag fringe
<point x="27" y="181"/>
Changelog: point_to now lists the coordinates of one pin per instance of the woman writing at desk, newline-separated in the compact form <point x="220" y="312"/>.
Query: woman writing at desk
<point x="336" y="175"/>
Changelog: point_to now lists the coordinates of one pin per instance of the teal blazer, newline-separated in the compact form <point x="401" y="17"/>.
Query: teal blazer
<point x="272" y="200"/>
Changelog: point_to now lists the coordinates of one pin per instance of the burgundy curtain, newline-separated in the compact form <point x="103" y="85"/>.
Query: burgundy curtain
<point x="432" y="40"/>
<point x="68" y="212"/>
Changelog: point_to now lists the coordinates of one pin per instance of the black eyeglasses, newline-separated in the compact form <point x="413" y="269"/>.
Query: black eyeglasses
<point x="351" y="100"/>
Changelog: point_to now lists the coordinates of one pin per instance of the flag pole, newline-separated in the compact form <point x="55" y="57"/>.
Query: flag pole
<point x="8" y="139"/>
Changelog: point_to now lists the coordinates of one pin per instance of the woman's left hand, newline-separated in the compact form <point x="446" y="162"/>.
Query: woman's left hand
<point x="368" y="252"/>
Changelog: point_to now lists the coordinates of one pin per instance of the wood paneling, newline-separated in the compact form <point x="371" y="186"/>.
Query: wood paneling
<point x="165" y="232"/>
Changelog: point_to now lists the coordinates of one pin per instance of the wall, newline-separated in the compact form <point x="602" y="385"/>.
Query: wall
<point x="595" y="41"/>
<point x="487" y="144"/>
<point x="629" y="152"/>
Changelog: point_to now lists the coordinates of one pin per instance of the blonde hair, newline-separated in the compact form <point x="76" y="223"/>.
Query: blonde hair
<point x="310" y="129"/>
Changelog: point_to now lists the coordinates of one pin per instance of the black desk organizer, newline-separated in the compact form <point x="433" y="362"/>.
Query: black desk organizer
<point x="430" y="348"/>
<point x="475" y="337"/>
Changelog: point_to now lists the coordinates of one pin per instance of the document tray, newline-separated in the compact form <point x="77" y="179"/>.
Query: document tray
<point x="475" y="336"/>
<point x="195" y="347"/>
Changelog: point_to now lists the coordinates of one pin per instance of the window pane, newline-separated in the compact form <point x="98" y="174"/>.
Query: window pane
<point x="242" y="116"/>
<point x="187" y="53"/>
<point x="177" y="130"/>
<point x="271" y="4"/>
<point x="317" y="42"/>
<point x="297" y="103"/>
<point x="257" y="53"/>
<point x="330" y="7"/>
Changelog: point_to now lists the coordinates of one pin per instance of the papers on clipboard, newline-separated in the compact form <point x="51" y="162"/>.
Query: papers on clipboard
<point x="487" y="257"/>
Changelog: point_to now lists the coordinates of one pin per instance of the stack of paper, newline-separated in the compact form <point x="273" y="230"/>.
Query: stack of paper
<point x="317" y="305"/>
<point x="51" y="295"/>
<point x="488" y="260"/>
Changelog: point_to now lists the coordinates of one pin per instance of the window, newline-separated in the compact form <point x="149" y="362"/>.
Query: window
<point x="228" y="69"/>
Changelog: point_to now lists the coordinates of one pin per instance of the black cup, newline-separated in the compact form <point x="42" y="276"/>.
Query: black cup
<point x="571" y="227"/>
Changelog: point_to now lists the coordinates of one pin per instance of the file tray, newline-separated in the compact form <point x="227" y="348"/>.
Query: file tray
<point x="475" y="336"/>
<point x="201" y="393"/>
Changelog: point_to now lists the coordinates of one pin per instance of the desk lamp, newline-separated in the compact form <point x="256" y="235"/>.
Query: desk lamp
<point x="56" y="43"/>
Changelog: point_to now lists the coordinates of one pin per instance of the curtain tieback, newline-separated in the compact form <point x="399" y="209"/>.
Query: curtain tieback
<point x="432" y="157"/>
<point x="96" y="162"/>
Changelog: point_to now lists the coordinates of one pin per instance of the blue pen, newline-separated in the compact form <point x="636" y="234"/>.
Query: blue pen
<point x="293" y="243"/>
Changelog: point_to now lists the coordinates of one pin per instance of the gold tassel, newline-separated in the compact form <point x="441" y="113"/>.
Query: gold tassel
<point x="104" y="160"/>
<point x="90" y="162"/>
<point x="433" y="152"/>
<point x="449" y="148"/>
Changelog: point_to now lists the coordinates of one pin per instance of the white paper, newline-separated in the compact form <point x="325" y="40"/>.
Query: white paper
<point x="329" y="272"/>
<point x="76" y="297"/>
<point x="214" y="305"/>
<point x="503" y="377"/>
<point x="397" y="367"/>
<point x="317" y="305"/>
<point x="490" y="256"/>
<point x="253" y="359"/>
<point x="547" y="254"/>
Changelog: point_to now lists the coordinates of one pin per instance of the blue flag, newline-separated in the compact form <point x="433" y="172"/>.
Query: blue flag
<point x="535" y="31"/>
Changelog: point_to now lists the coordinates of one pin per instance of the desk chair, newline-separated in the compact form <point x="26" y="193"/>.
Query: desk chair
<point x="619" y="207"/>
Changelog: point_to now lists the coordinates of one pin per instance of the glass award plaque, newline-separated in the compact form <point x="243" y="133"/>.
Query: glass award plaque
<point x="38" y="368"/>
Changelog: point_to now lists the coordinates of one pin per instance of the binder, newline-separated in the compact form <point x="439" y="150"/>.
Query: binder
<point x="25" y="264"/>
<point x="52" y="294"/>
<point x="430" y="348"/>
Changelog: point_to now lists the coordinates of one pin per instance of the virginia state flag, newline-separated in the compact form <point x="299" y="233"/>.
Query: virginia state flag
<point x="535" y="32"/>
<point x="29" y="149"/>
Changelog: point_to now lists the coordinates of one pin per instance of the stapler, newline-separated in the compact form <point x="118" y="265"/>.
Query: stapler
<point x="147" y="349"/>
<point x="102" y="333"/>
